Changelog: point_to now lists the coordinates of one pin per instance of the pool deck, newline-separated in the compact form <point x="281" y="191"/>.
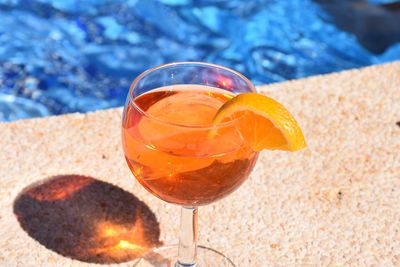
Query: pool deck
<point x="337" y="203"/>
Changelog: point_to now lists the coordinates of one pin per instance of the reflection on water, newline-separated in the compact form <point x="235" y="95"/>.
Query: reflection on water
<point x="376" y="26"/>
<point x="87" y="219"/>
<point x="59" y="56"/>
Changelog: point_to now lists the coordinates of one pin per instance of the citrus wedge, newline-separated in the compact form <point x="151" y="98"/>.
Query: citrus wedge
<point x="263" y="122"/>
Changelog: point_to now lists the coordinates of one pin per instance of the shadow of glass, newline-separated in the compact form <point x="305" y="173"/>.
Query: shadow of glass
<point x="87" y="219"/>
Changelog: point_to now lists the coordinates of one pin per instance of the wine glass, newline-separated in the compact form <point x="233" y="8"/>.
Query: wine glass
<point x="176" y="152"/>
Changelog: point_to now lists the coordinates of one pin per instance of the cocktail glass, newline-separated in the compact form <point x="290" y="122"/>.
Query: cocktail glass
<point x="176" y="152"/>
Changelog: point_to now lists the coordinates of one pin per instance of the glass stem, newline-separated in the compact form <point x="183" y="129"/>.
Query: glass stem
<point x="188" y="238"/>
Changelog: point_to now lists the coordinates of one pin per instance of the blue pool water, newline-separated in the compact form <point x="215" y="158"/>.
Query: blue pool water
<point x="60" y="56"/>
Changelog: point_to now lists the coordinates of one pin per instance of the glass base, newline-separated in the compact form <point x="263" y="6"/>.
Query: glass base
<point x="166" y="256"/>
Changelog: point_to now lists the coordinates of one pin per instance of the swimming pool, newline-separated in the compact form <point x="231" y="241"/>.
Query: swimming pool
<point x="61" y="56"/>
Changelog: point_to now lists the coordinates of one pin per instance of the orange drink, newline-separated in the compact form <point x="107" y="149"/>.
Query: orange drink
<point x="175" y="151"/>
<point x="191" y="133"/>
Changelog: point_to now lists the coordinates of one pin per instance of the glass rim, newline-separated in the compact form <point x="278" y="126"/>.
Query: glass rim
<point x="144" y="73"/>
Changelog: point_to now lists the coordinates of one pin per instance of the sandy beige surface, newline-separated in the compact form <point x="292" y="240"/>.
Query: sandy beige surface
<point x="337" y="203"/>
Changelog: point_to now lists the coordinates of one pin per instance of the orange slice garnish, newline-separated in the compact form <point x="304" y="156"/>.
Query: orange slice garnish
<point x="263" y="122"/>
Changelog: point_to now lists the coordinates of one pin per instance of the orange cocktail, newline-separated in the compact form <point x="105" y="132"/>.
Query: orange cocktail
<point x="175" y="151"/>
<point x="191" y="134"/>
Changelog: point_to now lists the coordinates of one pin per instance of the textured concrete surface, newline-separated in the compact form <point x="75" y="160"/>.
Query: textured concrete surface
<point x="67" y="197"/>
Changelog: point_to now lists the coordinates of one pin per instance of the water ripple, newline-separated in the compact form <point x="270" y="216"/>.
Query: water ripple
<point x="60" y="56"/>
